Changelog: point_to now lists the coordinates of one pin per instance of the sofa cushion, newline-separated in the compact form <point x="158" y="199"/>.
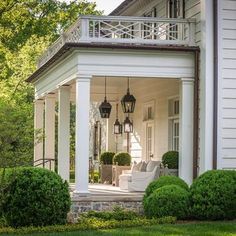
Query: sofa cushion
<point x="151" y="165"/>
<point x="134" y="167"/>
<point x="143" y="166"/>
<point x="137" y="167"/>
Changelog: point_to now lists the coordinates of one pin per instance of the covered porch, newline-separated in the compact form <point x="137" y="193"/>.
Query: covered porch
<point x="160" y="78"/>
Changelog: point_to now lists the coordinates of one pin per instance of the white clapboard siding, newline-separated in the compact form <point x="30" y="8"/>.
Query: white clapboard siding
<point x="227" y="91"/>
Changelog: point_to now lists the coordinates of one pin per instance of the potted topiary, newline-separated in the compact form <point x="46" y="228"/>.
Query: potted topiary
<point x="106" y="160"/>
<point x="121" y="161"/>
<point x="171" y="160"/>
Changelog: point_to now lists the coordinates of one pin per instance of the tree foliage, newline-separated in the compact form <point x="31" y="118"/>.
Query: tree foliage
<point x="27" y="28"/>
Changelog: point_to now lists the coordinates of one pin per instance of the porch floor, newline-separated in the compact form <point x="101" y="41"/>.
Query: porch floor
<point x="108" y="193"/>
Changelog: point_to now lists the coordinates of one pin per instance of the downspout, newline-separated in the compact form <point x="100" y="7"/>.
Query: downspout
<point x="196" y="117"/>
<point x="215" y="85"/>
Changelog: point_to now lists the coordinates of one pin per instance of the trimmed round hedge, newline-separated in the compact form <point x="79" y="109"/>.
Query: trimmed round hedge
<point x="163" y="181"/>
<point x="35" y="197"/>
<point x="171" y="159"/>
<point x="213" y="195"/>
<point x="170" y="200"/>
<point x="122" y="158"/>
<point x="106" y="158"/>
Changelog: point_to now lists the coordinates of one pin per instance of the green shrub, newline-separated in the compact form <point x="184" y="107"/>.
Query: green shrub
<point x="106" y="158"/>
<point x="88" y="224"/>
<point x="171" y="159"/>
<point x="35" y="197"/>
<point x="122" y="158"/>
<point x="213" y="195"/>
<point x="163" y="181"/>
<point x="170" y="200"/>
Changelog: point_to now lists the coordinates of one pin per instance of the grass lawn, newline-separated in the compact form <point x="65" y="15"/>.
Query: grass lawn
<point x="190" y="229"/>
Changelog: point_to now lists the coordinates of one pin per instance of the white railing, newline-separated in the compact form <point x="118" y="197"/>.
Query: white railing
<point x="124" y="29"/>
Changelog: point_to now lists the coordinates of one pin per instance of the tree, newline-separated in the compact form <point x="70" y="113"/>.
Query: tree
<point x="27" y="28"/>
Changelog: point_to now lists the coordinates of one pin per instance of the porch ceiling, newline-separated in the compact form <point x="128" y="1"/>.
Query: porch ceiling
<point x="116" y="87"/>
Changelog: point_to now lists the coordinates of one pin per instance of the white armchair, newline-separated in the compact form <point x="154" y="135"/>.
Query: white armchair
<point x="139" y="180"/>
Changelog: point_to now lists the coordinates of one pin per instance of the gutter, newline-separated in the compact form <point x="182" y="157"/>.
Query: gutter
<point x="215" y="85"/>
<point x="196" y="121"/>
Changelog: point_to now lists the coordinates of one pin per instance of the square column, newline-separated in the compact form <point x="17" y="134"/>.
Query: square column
<point x="64" y="132"/>
<point x="186" y="130"/>
<point x="38" y="131"/>
<point x="49" y="131"/>
<point x="82" y="135"/>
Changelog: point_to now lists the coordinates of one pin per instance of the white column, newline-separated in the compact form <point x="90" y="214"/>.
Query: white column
<point x="186" y="130"/>
<point x="38" y="130"/>
<point x="64" y="132"/>
<point x="49" y="130"/>
<point x="206" y="86"/>
<point x="82" y="135"/>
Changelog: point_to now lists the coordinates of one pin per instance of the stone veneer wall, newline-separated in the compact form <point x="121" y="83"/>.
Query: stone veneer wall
<point x="79" y="207"/>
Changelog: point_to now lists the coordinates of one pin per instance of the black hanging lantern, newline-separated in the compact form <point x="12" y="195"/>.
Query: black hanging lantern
<point x="105" y="107"/>
<point x="128" y="125"/>
<point x="117" y="127"/>
<point x="128" y="101"/>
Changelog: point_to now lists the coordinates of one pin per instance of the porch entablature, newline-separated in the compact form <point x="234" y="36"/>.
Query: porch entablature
<point x="119" y="63"/>
<point x="125" y="30"/>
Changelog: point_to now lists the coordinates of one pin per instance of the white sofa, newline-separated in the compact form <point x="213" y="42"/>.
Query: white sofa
<point x="137" y="179"/>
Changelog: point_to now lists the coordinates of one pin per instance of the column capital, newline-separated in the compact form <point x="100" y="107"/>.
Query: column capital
<point x="50" y="96"/>
<point x="39" y="101"/>
<point x="189" y="79"/>
<point x="65" y="87"/>
<point x="83" y="78"/>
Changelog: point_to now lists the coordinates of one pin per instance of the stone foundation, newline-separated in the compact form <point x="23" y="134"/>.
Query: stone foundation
<point x="79" y="207"/>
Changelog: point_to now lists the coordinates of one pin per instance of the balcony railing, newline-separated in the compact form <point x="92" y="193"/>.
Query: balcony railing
<point x="124" y="29"/>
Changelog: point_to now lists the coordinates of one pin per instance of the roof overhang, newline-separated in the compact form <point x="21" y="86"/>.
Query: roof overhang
<point x="69" y="47"/>
<point x="117" y="11"/>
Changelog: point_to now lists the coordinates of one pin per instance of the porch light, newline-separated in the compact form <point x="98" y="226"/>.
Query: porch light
<point x="117" y="128"/>
<point x="128" y="101"/>
<point x="128" y="125"/>
<point x="105" y="107"/>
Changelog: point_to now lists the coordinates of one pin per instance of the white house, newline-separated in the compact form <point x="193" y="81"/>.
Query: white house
<point x="180" y="58"/>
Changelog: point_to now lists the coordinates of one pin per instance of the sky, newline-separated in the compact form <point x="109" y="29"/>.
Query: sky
<point x="107" y="5"/>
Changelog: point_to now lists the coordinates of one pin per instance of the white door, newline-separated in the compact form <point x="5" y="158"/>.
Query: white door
<point x="149" y="140"/>
<point x="175" y="135"/>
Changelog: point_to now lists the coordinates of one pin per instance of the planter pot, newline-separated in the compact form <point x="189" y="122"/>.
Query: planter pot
<point x="116" y="172"/>
<point x="106" y="174"/>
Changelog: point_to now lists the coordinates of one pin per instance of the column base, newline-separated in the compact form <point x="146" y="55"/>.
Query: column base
<point x="81" y="193"/>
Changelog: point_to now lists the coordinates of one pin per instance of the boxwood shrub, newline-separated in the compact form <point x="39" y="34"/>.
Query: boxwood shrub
<point x="122" y="158"/>
<point x="163" y="181"/>
<point x="213" y="195"/>
<point x="171" y="159"/>
<point x="170" y="200"/>
<point x="106" y="158"/>
<point x="35" y="197"/>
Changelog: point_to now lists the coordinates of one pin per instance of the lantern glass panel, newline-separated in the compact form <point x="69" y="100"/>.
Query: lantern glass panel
<point x="128" y="126"/>
<point x="128" y="103"/>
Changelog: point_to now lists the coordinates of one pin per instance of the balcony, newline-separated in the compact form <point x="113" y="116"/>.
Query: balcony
<point x="127" y="30"/>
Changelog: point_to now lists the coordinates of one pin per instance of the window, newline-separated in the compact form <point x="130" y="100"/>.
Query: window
<point x="148" y="111"/>
<point x="175" y="135"/>
<point x="173" y="107"/>
<point x="174" y="124"/>
<point x="175" y="8"/>
<point x="148" y="28"/>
